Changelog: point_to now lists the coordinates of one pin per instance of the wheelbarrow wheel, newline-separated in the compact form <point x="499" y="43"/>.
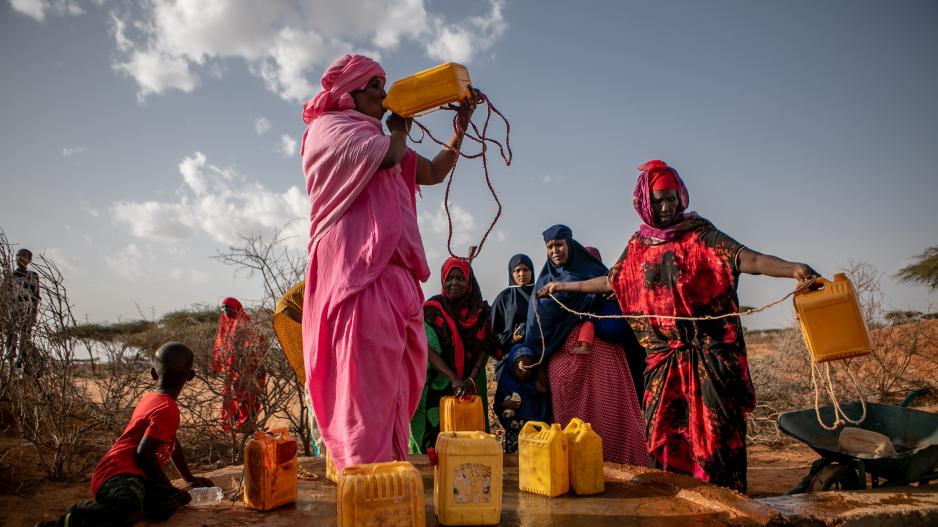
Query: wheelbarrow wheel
<point x="835" y="477"/>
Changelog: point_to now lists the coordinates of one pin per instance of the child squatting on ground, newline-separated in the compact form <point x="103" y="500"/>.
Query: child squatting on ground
<point x="129" y="483"/>
<point x="519" y="397"/>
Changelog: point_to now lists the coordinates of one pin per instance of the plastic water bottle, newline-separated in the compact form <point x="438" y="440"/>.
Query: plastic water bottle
<point x="205" y="496"/>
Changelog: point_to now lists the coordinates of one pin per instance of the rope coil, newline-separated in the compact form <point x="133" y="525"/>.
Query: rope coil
<point x="480" y="137"/>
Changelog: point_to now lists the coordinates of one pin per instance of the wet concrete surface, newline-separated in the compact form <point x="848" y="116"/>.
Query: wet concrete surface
<point x="634" y="496"/>
<point x="892" y="507"/>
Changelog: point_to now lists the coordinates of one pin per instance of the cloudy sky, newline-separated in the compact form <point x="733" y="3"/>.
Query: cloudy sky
<point x="138" y="139"/>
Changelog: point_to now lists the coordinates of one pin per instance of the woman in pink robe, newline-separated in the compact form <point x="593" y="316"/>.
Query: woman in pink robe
<point x="364" y="344"/>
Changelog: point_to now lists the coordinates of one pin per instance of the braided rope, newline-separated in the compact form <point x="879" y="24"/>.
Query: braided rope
<point x="746" y="312"/>
<point x="480" y="137"/>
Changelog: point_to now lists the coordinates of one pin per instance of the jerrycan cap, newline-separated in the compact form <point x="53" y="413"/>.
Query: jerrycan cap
<point x="432" y="456"/>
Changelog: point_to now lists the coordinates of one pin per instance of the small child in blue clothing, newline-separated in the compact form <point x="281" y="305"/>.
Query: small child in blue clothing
<point x="519" y="398"/>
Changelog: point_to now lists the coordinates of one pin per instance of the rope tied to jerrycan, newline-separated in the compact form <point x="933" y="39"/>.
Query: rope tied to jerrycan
<point x="479" y="136"/>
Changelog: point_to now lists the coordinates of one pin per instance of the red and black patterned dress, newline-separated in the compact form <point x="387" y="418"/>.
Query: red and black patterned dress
<point x="697" y="385"/>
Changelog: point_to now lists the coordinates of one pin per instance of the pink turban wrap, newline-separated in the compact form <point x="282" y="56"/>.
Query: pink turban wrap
<point x="347" y="74"/>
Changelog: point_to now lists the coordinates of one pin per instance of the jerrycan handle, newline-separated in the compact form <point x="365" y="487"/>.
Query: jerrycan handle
<point x="532" y="427"/>
<point x="574" y="426"/>
<point x="283" y="432"/>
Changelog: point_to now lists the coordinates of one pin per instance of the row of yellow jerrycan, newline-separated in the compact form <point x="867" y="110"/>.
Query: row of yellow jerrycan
<point x="467" y="486"/>
<point x="551" y="461"/>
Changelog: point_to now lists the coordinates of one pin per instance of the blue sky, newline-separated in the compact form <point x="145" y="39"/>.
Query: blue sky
<point x="138" y="139"/>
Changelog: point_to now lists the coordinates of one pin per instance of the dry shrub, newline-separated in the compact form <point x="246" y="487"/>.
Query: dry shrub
<point x="49" y="409"/>
<point x="69" y="414"/>
<point x="903" y="359"/>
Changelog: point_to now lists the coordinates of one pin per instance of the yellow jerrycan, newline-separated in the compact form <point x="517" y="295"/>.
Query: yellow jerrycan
<point x="331" y="473"/>
<point x="269" y="470"/>
<point x="381" y="495"/>
<point x="831" y="320"/>
<point x="585" y="458"/>
<point x="467" y="478"/>
<point x="462" y="414"/>
<point x="428" y="90"/>
<point x="543" y="459"/>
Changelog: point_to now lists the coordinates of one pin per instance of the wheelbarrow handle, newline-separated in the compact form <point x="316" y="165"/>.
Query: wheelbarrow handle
<point x="913" y="395"/>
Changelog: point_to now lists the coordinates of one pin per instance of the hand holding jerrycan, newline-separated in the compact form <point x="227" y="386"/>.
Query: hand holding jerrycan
<point x="586" y="458"/>
<point x="462" y="414"/>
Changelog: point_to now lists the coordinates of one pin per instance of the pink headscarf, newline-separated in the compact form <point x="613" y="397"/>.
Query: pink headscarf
<point x="347" y="74"/>
<point x="641" y="199"/>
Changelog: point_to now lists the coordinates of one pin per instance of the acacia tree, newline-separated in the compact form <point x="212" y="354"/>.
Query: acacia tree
<point x="924" y="270"/>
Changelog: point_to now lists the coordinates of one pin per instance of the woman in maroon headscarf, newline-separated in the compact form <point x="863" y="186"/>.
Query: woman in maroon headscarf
<point x="697" y="385"/>
<point x="238" y="354"/>
<point x="363" y="338"/>
<point x="460" y="338"/>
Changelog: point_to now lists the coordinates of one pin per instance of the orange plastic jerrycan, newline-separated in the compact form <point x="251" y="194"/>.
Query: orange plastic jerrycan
<point x="467" y="478"/>
<point x="269" y="470"/>
<point x="585" y="458"/>
<point x="832" y="322"/>
<point x="428" y="90"/>
<point x="381" y="495"/>
<point x="462" y="414"/>
<point x="543" y="459"/>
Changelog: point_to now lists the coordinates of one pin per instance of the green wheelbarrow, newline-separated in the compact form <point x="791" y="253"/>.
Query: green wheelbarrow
<point x="913" y="433"/>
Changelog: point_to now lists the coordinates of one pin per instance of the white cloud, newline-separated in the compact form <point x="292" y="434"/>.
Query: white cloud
<point x="70" y="151"/>
<point x="65" y="263"/>
<point x="436" y="222"/>
<point x="129" y="262"/>
<point x="219" y="204"/>
<point x="262" y="125"/>
<point x="191" y="275"/>
<point x="86" y="207"/>
<point x="156" y="72"/>
<point x="38" y="9"/>
<point x="283" y="42"/>
<point x="546" y="179"/>
<point x="287" y="146"/>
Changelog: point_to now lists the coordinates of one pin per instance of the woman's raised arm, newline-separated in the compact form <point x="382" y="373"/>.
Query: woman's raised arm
<point x="600" y="284"/>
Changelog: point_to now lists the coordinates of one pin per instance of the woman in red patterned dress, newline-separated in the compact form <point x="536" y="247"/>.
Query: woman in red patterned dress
<point x="697" y="385"/>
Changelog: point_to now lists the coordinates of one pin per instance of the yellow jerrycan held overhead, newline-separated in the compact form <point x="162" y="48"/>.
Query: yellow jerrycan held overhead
<point x="380" y="495"/>
<point x="585" y="458"/>
<point x="462" y="414"/>
<point x="270" y="470"/>
<point x="467" y="478"/>
<point x="429" y="90"/>
<point x="543" y="459"/>
<point x="831" y="320"/>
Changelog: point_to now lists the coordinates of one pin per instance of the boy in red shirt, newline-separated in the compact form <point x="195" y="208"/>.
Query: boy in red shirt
<point x="129" y="483"/>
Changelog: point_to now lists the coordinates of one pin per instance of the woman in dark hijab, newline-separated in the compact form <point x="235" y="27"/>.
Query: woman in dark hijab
<point x="595" y="386"/>
<point x="510" y="309"/>
<point x="459" y="339"/>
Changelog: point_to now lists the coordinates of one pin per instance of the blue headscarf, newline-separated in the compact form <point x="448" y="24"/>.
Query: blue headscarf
<point x="557" y="323"/>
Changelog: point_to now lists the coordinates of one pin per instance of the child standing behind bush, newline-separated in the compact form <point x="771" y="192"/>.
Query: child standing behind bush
<point x="129" y="483"/>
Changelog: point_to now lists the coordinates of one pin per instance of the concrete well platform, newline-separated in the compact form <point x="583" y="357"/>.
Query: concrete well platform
<point x="634" y="496"/>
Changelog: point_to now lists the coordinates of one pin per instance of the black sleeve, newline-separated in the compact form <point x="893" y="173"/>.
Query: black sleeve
<point x="726" y="246"/>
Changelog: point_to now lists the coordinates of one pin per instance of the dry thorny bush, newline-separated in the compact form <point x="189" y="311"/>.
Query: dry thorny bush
<point x="903" y="359"/>
<point x="66" y="417"/>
